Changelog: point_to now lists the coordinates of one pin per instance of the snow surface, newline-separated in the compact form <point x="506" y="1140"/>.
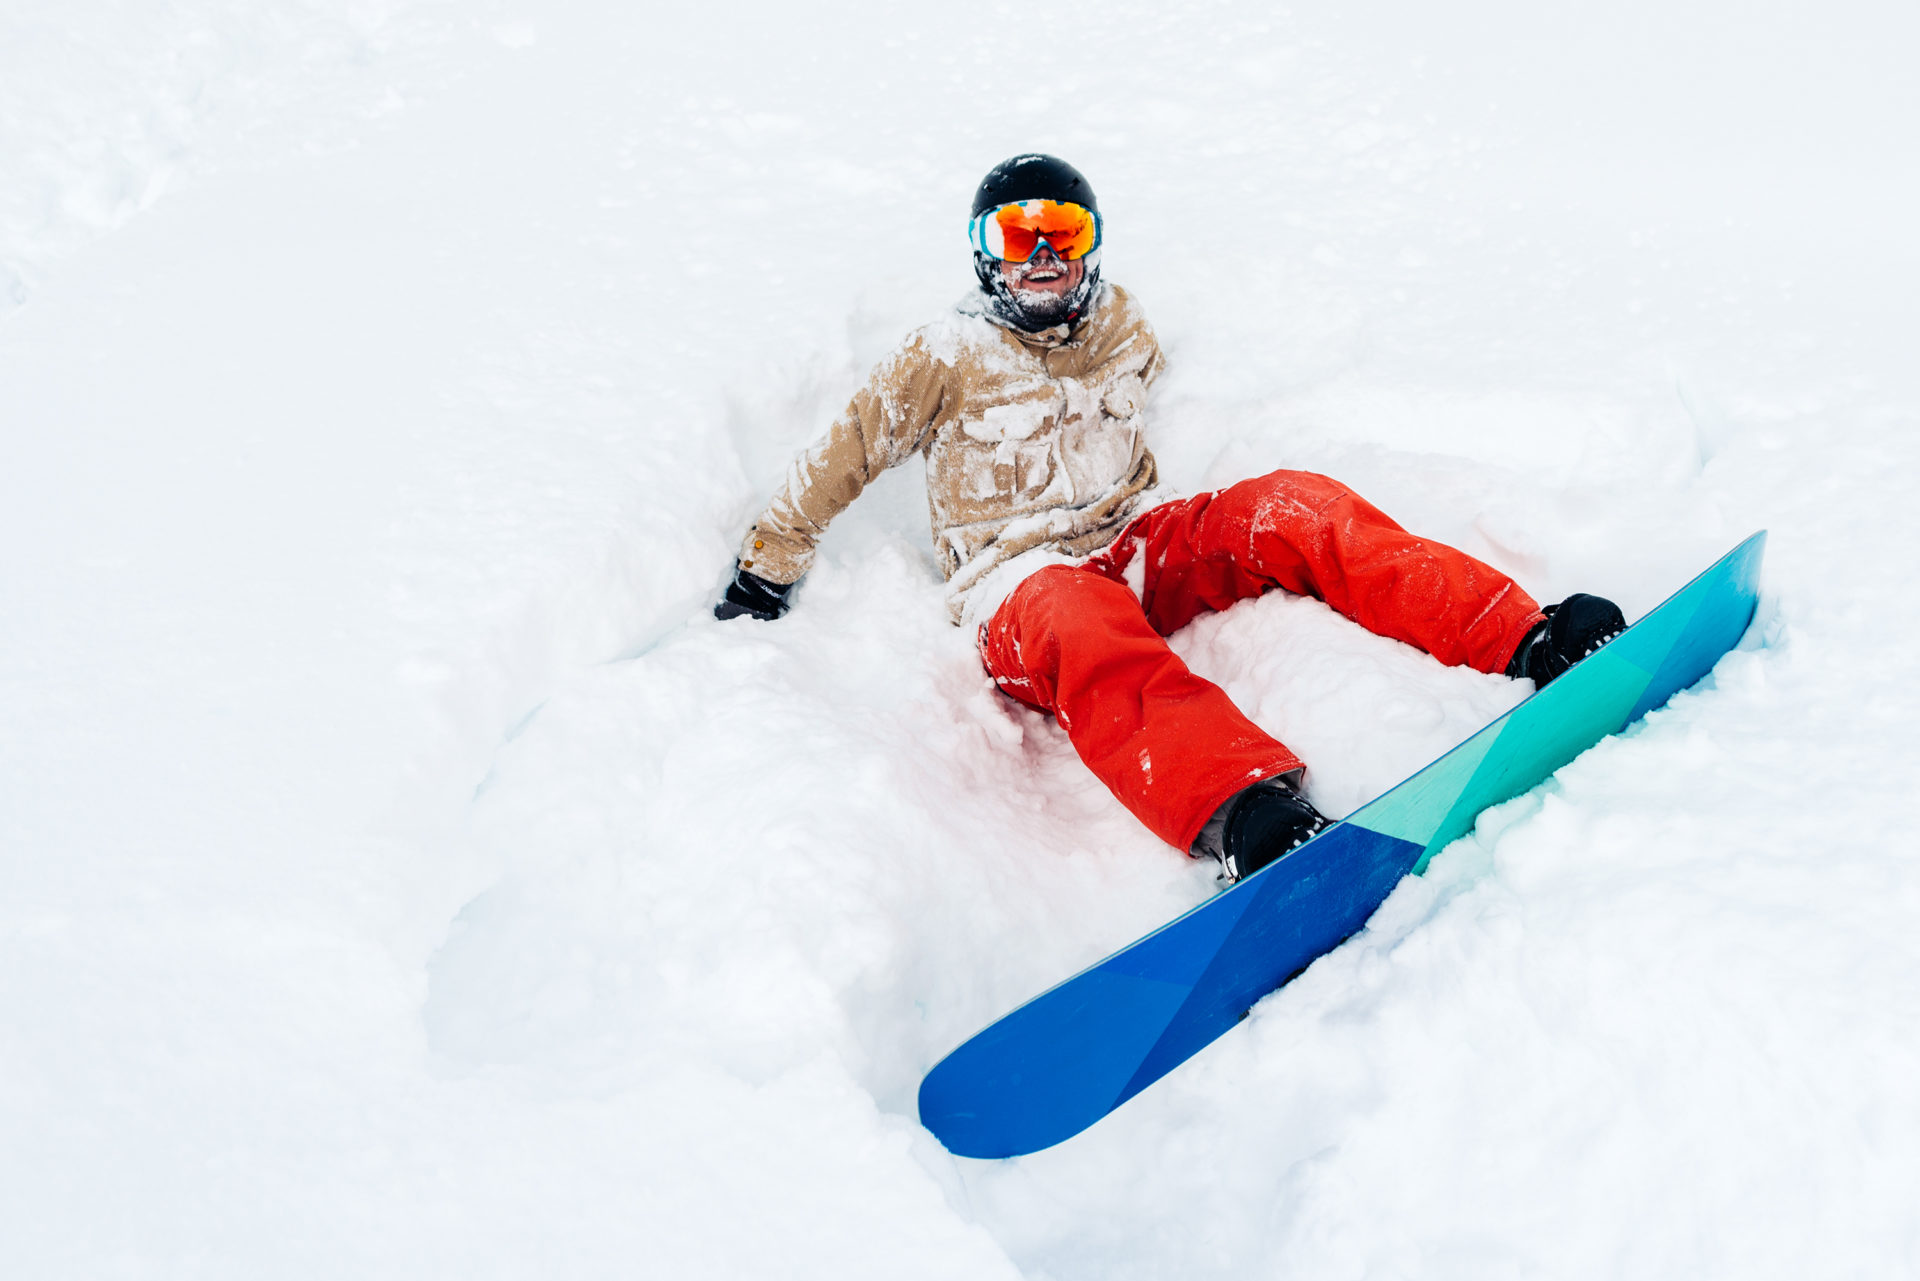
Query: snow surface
<point x="403" y="876"/>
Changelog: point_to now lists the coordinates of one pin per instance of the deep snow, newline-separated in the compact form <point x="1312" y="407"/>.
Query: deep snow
<point x="403" y="876"/>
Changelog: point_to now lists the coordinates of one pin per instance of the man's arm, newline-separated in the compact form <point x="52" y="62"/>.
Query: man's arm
<point x="884" y="424"/>
<point x="1133" y="332"/>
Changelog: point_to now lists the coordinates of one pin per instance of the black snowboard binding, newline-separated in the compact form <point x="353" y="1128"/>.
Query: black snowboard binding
<point x="1260" y="825"/>
<point x="1572" y="630"/>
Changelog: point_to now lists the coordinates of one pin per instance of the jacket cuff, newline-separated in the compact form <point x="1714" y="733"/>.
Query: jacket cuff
<point x="771" y="559"/>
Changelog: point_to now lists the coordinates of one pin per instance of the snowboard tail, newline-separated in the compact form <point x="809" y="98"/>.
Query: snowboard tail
<point x="1073" y="1054"/>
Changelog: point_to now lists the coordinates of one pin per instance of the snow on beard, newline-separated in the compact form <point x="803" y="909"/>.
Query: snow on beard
<point x="1035" y="309"/>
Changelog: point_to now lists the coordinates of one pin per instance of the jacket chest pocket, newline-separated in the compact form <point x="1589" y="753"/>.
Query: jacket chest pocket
<point x="1014" y="442"/>
<point x="1124" y="398"/>
<point x="1025" y="467"/>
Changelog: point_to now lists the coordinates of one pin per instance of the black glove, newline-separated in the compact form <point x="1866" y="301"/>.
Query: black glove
<point x="753" y="595"/>
<point x="1573" y="629"/>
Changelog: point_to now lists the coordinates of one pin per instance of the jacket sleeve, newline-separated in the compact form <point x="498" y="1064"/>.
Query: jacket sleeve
<point x="1139" y="332"/>
<point x="1129" y="342"/>
<point x="1157" y="363"/>
<point x="886" y="422"/>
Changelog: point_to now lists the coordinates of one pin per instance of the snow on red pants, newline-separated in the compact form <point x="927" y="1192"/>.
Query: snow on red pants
<point x="1075" y="640"/>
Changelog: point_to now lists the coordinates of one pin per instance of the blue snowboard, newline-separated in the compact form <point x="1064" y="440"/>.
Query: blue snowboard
<point x="1071" y="1055"/>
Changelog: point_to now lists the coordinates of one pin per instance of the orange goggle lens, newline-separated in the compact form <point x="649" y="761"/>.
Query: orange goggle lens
<point x="1013" y="232"/>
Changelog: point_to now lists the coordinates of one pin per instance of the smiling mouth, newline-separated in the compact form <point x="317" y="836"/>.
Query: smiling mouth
<point x="1041" y="270"/>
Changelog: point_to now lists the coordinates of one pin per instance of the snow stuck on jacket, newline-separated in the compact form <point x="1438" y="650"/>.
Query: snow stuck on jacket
<point x="406" y="877"/>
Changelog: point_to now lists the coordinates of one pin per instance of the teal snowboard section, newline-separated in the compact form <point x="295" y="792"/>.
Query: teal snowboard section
<point x="1073" y="1054"/>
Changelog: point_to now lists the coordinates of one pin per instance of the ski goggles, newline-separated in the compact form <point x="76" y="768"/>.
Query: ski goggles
<point x="1013" y="232"/>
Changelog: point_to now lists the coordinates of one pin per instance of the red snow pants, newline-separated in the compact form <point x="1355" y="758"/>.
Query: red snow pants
<point x="1075" y="641"/>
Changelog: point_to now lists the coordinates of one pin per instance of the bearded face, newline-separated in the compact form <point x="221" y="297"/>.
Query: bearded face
<point x="1043" y="291"/>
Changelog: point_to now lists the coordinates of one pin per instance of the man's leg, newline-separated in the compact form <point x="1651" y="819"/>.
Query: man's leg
<point x="1171" y="746"/>
<point x="1315" y="537"/>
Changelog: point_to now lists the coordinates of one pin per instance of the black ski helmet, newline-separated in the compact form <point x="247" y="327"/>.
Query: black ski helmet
<point x="1033" y="176"/>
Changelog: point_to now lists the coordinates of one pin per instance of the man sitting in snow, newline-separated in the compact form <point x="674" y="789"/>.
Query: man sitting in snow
<point x="1027" y="404"/>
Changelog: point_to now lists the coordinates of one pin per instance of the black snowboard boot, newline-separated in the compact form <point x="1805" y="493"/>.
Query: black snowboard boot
<point x="1258" y="826"/>
<point x="1573" y="629"/>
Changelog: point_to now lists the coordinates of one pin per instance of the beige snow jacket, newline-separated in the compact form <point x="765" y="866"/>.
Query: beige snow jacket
<point x="1031" y="440"/>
